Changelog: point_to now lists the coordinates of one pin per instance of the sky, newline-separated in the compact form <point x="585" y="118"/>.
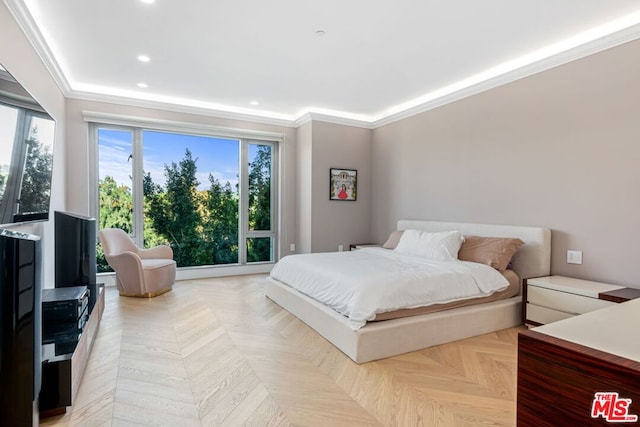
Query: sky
<point x="8" y="126"/>
<point x="8" y="117"/>
<point x="7" y="132"/>
<point x="217" y="156"/>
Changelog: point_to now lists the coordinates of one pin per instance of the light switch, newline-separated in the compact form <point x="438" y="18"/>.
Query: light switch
<point x="574" y="257"/>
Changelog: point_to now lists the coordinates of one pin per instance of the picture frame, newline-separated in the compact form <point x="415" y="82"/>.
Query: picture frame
<point x="343" y="184"/>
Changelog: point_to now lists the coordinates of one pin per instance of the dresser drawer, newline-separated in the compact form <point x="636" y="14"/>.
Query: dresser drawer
<point x="563" y="301"/>
<point x="543" y="315"/>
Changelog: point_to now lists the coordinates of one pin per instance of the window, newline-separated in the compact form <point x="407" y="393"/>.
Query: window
<point x="259" y="244"/>
<point x="115" y="151"/>
<point x="211" y="198"/>
<point x="25" y="170"/>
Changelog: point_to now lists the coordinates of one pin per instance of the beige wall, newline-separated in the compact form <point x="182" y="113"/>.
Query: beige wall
<point x="19" y="58"/>
<point x="560" y="149"/>
<point x="325" y="224"/>
<point x="304" y="163"/>
<point x="77" y="172"/>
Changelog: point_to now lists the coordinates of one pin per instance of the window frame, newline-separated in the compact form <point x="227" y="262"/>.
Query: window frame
<point x="20" y="151"/>
<point x="244" y="202"/>
<point x="98" y="121"/>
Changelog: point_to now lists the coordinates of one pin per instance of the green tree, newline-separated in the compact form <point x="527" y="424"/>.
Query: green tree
<point x="200" y="226"/>
<point x="116" y="211"/>
<point x="259" y="249"/>
<point x="176" y="212"/>
<point x="222" y="221"/>
<point x="3" y="183"/>
<point x="116" y="205"/>
<point x="153" y="196"/>
<point x="36" y="181"/>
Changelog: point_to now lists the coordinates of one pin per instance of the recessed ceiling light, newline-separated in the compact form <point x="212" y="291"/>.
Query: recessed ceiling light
<point x="143" y="85"/>
<point x="143" y="58"/>
<point x="320" y="33"/>
<point x="255" y="103"/>
<point x="148" y="1"/>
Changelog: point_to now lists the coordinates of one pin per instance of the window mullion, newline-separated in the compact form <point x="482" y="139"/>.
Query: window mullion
<point x="243" y="202"/>
<point x="94" y="196"/>
<point x="274" y="199"/>
<point x="137" y="190"/>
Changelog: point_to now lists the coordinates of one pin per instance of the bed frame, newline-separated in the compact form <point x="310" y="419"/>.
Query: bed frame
<point x="377" y="340"/>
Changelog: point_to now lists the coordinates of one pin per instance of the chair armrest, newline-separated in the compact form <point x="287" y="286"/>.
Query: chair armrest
<point x="129" y="273"/>
<point x="124" y="260"/>
<point x="162" y="252"/>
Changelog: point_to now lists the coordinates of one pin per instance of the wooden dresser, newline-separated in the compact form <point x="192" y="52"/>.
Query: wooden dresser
<point x="563" y="365"/>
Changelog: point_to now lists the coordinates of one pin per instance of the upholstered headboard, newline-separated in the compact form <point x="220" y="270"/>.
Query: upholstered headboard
<point x="533" y="259"/>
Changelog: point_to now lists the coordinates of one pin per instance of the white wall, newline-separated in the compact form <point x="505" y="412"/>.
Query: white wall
<point x="560" y="149"/>
<point x="19" y="58"/>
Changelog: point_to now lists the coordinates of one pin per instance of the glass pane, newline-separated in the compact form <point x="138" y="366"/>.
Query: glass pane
<point x="8" y="122"/>
<point x="191" y="196"/>
<point x="260" y="187"/>
<point x="36" y="182"/>
<point x="115" y="163"/>
<point x="259" y="249"/>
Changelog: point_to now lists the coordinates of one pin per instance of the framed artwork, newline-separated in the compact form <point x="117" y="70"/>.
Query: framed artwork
<point x="343" y="184"/>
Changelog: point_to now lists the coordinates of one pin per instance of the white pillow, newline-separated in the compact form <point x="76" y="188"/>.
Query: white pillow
<point x="439" y="246"/>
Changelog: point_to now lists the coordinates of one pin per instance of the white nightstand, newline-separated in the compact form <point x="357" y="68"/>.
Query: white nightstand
<point x="551" y="298"/>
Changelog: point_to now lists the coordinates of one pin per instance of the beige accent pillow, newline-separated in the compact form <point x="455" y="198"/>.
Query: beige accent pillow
<point x="393" y="239"/>
<point x="494" y="251"/>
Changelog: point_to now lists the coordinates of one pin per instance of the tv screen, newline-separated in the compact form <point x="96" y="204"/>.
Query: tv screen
<point x="75" y="249"/>
<point x="26" y="154"/>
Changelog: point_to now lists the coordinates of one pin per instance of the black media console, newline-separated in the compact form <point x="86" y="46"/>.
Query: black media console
<point x="71" y="317"/>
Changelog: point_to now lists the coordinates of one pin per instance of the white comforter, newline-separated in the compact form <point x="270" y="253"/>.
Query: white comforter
<point x="361" y="283"/>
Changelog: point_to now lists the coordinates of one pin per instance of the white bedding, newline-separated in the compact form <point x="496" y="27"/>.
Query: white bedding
<point x="361" y="283"/>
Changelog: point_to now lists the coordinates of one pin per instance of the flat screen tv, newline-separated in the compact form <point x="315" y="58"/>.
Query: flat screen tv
<point x="75" y="249"/>
<point x="26" y="154"/>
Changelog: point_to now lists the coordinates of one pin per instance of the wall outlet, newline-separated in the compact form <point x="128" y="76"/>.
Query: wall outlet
<point x="292" y="247"/>
<point x="340" y="248"/>
<point x="574" y="257"/>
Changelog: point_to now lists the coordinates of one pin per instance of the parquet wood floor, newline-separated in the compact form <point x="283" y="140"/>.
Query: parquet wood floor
<point x="217" y="352"/>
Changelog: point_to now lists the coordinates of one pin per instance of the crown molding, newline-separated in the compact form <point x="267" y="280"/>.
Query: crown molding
<point x="174" y="125"/>
<point x="181" y="108"/>
<point x="581" y="51"/>
<point x="441" y="97"/>
<point x="310" y="116"/>
<point x="219" y="113"/>
<point x="25" y="21"/>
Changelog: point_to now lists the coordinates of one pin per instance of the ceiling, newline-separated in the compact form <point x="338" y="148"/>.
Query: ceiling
<point x="374" y="62"/>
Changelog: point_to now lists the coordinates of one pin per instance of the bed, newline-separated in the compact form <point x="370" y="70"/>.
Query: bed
<point x="381" y="339"/>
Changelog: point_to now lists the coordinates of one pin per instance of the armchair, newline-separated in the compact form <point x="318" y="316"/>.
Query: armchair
<point x="139" y="272"/>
